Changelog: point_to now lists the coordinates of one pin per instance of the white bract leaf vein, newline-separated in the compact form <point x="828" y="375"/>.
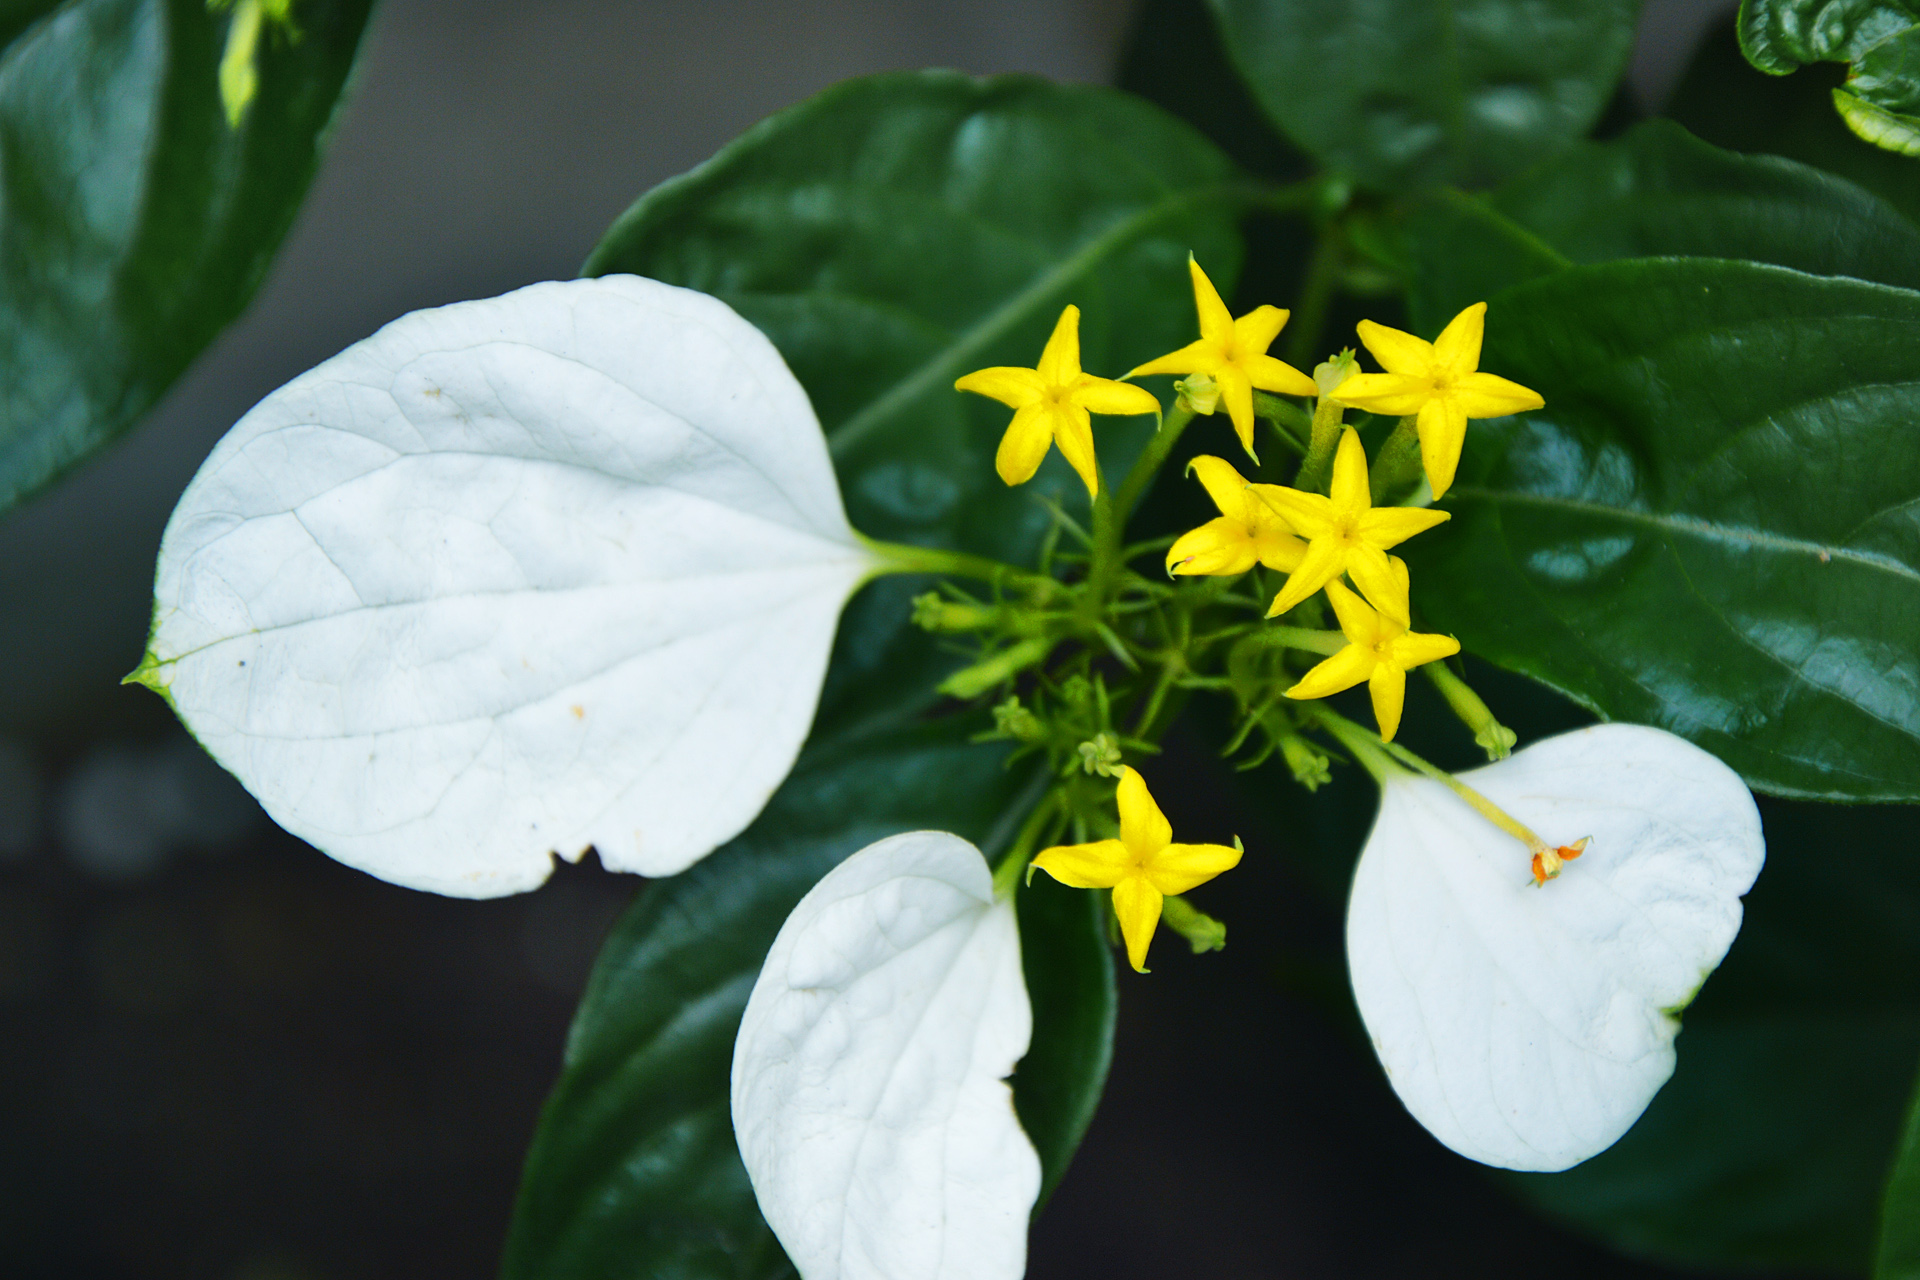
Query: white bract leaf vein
<point x="1529" y="1026"/>
<point x="511" y="578"/>
<point x="869" y="1077"/>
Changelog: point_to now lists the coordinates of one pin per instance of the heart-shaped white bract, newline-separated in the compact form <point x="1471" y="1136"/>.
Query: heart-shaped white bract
<point x="869" y="1078"/>
<point x="1528" y="1027"/>
<point x="511" y="578"/>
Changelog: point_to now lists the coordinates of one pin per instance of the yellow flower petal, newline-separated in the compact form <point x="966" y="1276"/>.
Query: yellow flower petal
<point x="1457" y="349"/>
<point x="1343" y="670"/>
<point x="1060" y="363"/>
<point x="1025" y="444"/>
<point x="1277" y="549"/>
<point x="1216" y="322"/>
<point x="1443" y="433"/>
<point x="1073" y="432"/>
<point x="1487" y="395"/>
<point x="1368" y="567"/>
<point x="1390" y="526"/>
<point x="1392" y="394"/>
<point x="1104" y="395"/>
<point x="1270" y="374"/>
<point x="1388" y="685"/>
<point x="1416" y="649"/>
<point x="1236" y="393"/>
<point x="1143" y="828"/>
<point x="1181" y="867"/>
<point x="1358" y="622"/>
<point x="1308" y="514"/>
<point x="1137" y="906"/>
<point x="1322" y="564"/>
<point x="1100" y="865"/>
<point x="1196" y="357"/>
<point x="1349" y="486"/>
<point x="1255" y="331"/>
<point x="1220" y="547"/>
<point x="1396" y="351"/>
<point x="1223" y="484"/>
<point x="1016" y="387"/>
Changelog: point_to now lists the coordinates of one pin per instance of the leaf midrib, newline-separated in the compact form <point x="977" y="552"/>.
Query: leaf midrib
<point x="949" y="361"/>
<point x="1706" y="530"/>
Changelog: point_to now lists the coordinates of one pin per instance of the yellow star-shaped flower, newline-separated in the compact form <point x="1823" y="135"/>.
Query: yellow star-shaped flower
<point x="1234" y="354"/>
<point x="1438" y="381"/>
<point x="1345" y="532"/>
<point x="1050" y="406"/>
<point x="1380" y="650"/>
<point x="1142" y="867"/>
<point x="1247" y="531"/>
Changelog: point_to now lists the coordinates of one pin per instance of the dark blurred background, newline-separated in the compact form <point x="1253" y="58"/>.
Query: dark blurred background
<point x="227" y="1056"/>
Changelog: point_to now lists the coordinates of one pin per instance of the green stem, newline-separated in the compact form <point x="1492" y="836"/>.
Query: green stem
<point x="1149" y="462"/>
<point x="1316" y="295"/>
<point x="898" y="557"/>
<point x="1327" y="426"/>
<point x="1106" y="552"/>
<point x="1327" y="642"/>
<point x="1478" y="803"/>
<point x="1293" y="424"/>
<point x="1007" y="876"/>
<point x="1366" y="747"/>
<point x="1495" y="738"/>
<point x="1397" y="468"/>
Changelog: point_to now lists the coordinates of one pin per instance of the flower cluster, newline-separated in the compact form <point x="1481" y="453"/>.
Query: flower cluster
<point x="518" y="683"/>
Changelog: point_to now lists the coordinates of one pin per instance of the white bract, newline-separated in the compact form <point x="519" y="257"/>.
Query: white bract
<point x="1528" y="1027"/>
<point x="869" y="1078"/>
<point x="511" y="578"/>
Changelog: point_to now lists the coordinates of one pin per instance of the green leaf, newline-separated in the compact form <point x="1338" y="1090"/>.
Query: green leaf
<point x="634" y="1171"/>
<point x="1069" y="968"/>
<point x="1657" y="192"/>
<point x="1711" y="526"/>
<point x="1414" y="93"/>
<point x="134" y="223"/>
<point x="1769" y="1146"/>
<point x="888" y="235"/>
<point x="894" y="233"/>
<point x="1879" y="38"/>
<point x="1728" y="102"/>
<point x="1898" y="1257"/>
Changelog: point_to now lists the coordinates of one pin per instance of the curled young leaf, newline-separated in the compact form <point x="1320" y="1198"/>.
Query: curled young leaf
<point x="869" y="1077"/>
<point x="511" y="578"/>
<point x="1528" y="1026"/>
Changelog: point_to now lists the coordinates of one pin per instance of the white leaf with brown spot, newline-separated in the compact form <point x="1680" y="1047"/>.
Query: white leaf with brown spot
<point x="511" y="578"/>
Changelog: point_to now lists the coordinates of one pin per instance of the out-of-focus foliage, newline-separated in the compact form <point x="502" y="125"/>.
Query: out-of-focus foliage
<point x="1878" y="39"/>
<point x="135" y="223"/>
<point x="1410" y="93"/>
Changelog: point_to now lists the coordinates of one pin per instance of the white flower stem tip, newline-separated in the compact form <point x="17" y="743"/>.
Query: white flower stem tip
<point x="1527" y="1024"/>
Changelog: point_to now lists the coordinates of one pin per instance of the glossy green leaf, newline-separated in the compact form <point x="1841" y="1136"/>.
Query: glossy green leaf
<point x="634" y="1171"/>
<point x="1413" y="93"/>
<point x="1657" y="192"/>
<point x="888" y="235"/>
<point x="1898" y="1255"/>
<point x="896" y="232"/>
<point x="1711" y="526"/>
<point x="1880" y="39"/>
<point x="135" y="223"/>
<point x="1725" y="100"/>
<point x="1069" y="967"/>
<point x="1769" y="1146"/>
